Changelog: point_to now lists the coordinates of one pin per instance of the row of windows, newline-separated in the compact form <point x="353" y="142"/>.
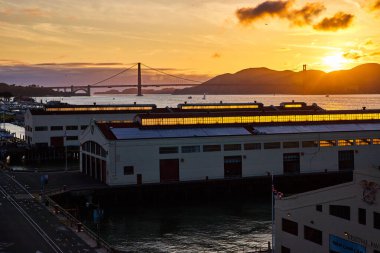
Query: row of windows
<point x="315" y="235"/>
<point x="100" y="108"/>
<point x="267" y="145"/>
<point x="344" y="212"/>
<point x="310" y="234"/>
<point x="59" y="128"/>
<point x="94" y="148"/>
<point x="258" y="119"/>
<point x="219" y="106"/>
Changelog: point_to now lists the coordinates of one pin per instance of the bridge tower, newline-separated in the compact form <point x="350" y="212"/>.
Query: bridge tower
<point x="304" y="78"/>
<point x="139" y="92"/>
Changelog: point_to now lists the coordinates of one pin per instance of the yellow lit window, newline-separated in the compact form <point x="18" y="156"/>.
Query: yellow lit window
<point x="219" y="107"/>
<point x="363" y="142"/>
<point x="376" y="141"/>
<point x="345" y="142"/>
<point x="259" y="119"/>
<point x="111" y="108"/>
<point x="327" y="143"/>
<point x="293" y="105"/>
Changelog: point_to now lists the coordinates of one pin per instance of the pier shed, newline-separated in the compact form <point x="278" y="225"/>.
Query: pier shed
<point x="185" y="147"/>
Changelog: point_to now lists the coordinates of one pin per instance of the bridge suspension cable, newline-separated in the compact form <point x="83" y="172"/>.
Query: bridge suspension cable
<point x="115" y="75"/>
<point x="178" y="77"/>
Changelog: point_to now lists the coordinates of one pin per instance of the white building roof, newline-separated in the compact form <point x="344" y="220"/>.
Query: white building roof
<point x="317" y="128"/>
<point x="136" y="133"/>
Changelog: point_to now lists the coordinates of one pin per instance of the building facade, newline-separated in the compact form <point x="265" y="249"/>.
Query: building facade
<point x="134" y="153"/>
<point x="56" y="126"/>
<point x="340" y="219"/>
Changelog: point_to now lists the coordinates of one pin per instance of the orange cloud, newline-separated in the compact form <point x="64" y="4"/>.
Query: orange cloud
<point x="35" y="12"/>
<point x="352" y="55"/>
<point x="78" y="64"/>
<point x="281" y="9"/>
<point x="28" y="12"/>
<point x="340" y="20"/>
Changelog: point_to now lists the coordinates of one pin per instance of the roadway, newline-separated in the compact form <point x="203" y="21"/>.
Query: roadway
<point x="26" y="225"/>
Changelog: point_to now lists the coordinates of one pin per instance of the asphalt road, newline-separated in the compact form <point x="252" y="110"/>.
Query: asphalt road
<point x="27" y="226"/>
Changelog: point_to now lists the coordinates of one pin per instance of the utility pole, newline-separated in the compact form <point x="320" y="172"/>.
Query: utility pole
<point x="139" y="93"/>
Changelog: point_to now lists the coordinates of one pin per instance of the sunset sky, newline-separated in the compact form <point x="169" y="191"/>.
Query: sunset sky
<point x="199" y="38"/>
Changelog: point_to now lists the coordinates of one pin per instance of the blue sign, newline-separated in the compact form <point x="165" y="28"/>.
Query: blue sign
<point x="341" y="245"/>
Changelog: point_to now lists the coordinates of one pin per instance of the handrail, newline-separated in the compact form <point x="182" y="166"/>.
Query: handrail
<point x="87" y="230"/>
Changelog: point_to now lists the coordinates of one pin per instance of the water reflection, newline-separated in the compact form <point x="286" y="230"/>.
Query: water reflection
<point x="224" y="227"/>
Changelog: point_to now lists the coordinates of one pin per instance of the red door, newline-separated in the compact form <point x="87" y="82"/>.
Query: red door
<point x="56" y="141"/>
<point x="169" y="170"/>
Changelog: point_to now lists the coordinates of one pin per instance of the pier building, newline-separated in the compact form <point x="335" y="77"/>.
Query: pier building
<point x="229" y="141"/>
<point x="60" y="125"/>
<point x="341" y="218"/>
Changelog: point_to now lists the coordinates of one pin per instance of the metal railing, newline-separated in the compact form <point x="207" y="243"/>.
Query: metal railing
<point x="72" y="221"/>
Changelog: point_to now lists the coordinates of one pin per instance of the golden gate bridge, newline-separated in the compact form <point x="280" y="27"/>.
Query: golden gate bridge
<point x="158" y="82"/>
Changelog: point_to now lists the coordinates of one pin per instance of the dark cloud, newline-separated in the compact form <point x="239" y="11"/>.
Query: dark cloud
<point x="340" y="20"/>
<point x="281" y="9"/>
<point x="306" y="14"/>
<point x="268" y="8"/>
<point x="376" y="5"/>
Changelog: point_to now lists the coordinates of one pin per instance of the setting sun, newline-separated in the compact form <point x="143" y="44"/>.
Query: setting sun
<point x="334" y="62"/>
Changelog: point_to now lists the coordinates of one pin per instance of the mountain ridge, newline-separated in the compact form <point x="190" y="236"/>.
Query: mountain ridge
<point x="364" y="78"/>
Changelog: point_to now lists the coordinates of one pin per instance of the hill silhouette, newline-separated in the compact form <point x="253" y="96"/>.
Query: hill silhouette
<point x="13" y="90"/>
<point x="364" y="79"/>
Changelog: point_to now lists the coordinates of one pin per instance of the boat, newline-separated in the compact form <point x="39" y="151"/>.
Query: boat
<point x="204" y="96"/>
